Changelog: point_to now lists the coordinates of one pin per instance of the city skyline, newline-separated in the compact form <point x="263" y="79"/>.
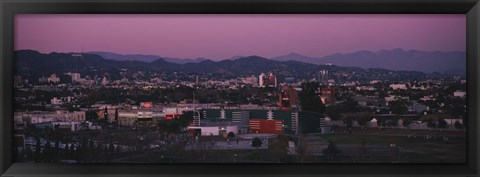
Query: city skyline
<point x="218" y="37"/>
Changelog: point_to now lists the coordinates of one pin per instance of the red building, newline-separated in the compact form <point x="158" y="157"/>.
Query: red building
<point x="266" y="126"/>
<point x="272" y="80"/>
<point x="287" y="99"/>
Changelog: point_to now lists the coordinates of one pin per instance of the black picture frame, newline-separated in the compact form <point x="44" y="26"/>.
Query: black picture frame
<point x="8" y="8"/>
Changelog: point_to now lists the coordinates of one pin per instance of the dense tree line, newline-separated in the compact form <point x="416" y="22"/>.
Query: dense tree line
<point x="86" y="151"/>
<point x="242" y="95"/>
<point x="310" y="98"/>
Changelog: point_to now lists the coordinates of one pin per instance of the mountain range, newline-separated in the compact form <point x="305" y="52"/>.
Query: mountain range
<point x="396" y="59"/>
<point x="34" y="63"/>
<point x="144" y="58"/>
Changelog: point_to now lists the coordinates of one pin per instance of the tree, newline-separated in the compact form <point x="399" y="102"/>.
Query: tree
<point x="398" y="107"/>
<point x="56" y="128"/>
<point x="37" y="157"/>
<point x="392" y="122"/>
<point x="363" y="118"/>
<point x="66" y="151"/>
<point x="256" y="142"/>
<point x="458" y="125"/>
<point x="278" y="147"/>
<point x="186" y="118"/>
<point x="362" y="151"/>
<point x="177" y="124"/>
<point x="302" y="146"/>
<point x="174" y="126"/>
<point x="73" y="152"/>
<point x="442" y="123"/>
<point x="116" y="116"/>
<point x="309" y="99"/>
<point x="349" y="105"/>
<point x="332" y="150"/>
<point x="111" y="148"/>
<point x="29" y="153"/>
<point x="349" y="122"/>
<point x="106" y="154"/>
<point x="99" y="153"/>
<point x="430" y="123"/>
<point x="117" y="149"/>
<point x="105" y="118"/>
<point x="379" y="123"/>
<point x="333" y="112"/>
<point x="231" y="134"/>
<point x="91" y="115"/>
<point x="90" y="151"/>
<point x="406" y="123"/>
<point x="56" y="151"/>
<point x="47" y="153"/>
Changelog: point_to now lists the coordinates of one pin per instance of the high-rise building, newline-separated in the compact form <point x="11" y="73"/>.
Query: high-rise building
<point x="267" y="80"/>
<point x="272" y="80"/>
<point x="322" y="77"/>
<point x="261" y="80"/>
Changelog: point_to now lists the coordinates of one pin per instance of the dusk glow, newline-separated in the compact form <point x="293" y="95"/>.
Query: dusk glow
<point x="143" y="89"/>
<point x="223" y="36"/>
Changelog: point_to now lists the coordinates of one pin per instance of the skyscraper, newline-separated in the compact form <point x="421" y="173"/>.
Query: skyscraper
<point x="322" y="77"/>
<point x="272" y="80"/>
<point x="261" y="80"/>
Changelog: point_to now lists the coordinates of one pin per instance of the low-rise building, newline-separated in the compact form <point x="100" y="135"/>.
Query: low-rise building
<point x="398" y="86"/>
<point x="56" y="101"/>
<point x="45" y="117"/>
<point x="459" y="93"/>
<point x="53" y="79"/>
<point x="139" y="116"/>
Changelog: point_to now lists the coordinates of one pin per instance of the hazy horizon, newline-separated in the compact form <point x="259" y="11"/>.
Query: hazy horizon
<point x="219" y="37"/>
<point x="288" y="53"/>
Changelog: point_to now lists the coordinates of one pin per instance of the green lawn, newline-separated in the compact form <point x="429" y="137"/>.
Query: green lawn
<point x="412" y="150"/>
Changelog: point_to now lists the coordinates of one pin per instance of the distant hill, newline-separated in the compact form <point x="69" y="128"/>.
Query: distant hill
<point x="396" y="59"/>
<point x="29" y="62"/>
<point x="250" y="65"/>
<point x="144" y="58"/>
<point x="33" y="61"/>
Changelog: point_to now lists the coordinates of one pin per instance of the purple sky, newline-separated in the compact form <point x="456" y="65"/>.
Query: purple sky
<point x="223" y="36"/>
